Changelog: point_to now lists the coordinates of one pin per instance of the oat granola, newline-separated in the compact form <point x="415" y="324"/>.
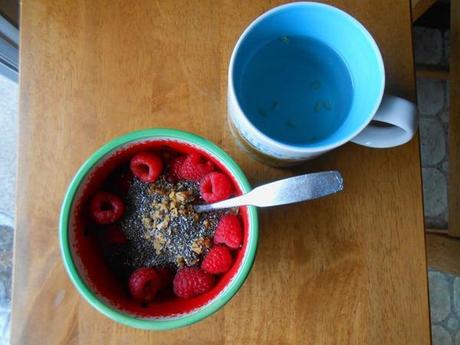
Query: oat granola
<point x="162" y="226"/>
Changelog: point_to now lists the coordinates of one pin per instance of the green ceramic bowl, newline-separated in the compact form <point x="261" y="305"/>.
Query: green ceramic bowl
<point x="73" y="264"/>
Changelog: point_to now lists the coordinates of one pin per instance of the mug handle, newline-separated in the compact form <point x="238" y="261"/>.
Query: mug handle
<point x="394" y="124"/>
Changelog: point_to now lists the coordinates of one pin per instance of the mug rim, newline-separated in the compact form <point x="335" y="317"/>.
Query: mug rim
<point x="287" y="149"/>
<point x="151" y="323"/>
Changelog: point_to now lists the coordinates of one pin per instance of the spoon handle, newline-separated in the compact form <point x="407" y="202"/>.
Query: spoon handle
<point x="286" y="191"/>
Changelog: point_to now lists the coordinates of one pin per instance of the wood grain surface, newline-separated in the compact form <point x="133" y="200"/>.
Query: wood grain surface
<point x="419" y="8"/>
<point x="348" y="269"/>
<point x="443" y="253"/>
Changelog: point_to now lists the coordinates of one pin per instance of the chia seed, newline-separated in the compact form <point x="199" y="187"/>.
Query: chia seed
<point x="185" y="237"/>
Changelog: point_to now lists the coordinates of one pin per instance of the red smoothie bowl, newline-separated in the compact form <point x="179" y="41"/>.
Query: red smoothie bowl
<point x="84" y="253"/>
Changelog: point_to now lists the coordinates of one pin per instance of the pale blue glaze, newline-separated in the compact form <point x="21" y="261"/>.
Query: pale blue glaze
<point x="308" y="76"/>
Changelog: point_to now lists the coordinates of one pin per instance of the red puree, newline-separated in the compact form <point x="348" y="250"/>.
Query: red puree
<point x="87" y="245"/>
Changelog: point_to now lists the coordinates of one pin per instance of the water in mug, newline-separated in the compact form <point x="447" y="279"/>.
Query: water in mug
<point x="296" y="90"/>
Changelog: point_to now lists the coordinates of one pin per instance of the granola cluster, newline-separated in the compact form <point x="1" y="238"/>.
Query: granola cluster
<point x="171" y="207"/>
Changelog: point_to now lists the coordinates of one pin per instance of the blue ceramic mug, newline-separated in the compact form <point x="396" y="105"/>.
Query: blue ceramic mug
<point x="305" y="78"/>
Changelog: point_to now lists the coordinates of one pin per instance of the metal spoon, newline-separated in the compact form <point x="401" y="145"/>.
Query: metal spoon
<point x="286" y="191"/>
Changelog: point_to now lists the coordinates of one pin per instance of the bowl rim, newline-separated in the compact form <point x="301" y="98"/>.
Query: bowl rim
<point x="144" y="323"/>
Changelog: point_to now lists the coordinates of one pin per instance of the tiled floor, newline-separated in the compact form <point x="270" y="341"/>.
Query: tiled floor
<point x="434" y="112"/>
<point x="445" y="308"/>
<point x="431" y="47"/>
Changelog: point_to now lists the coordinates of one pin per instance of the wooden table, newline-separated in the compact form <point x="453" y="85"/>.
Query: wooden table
<point x="348" y="269"/>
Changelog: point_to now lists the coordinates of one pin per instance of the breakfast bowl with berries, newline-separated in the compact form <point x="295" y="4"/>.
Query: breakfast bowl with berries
<point x="132" y="242"/>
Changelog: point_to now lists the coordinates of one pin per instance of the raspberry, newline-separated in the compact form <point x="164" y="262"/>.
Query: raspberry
<point x="195" y="167"/>
<point x="106" y="208"/>
<point x="191" y="281"/>
<point x="218" y="260"/>
<point x="114" y="235"/>
<point x="215" y="187"/>
<point x="144" y="284"/>
<point x="229" y="231"/>
<point x="146" y="166"/>
<point x="175" y="166"/>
